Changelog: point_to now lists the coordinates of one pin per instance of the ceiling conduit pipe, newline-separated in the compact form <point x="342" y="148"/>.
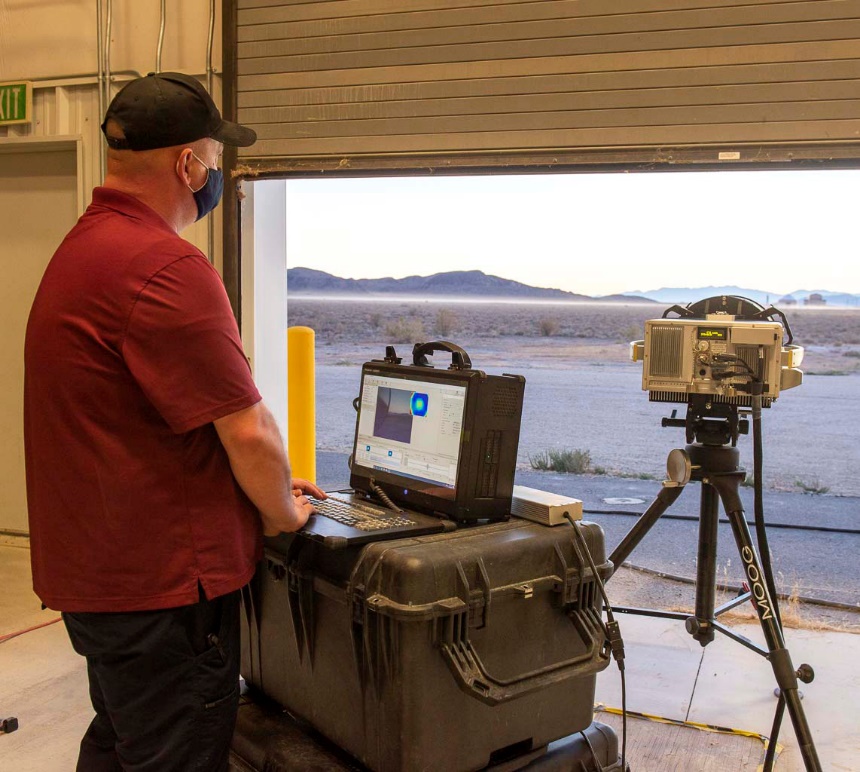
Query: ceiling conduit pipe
<point x="209" y="69"/>
<point x="100" y="86"/>
<point x="160" y="36"/>
<point x="106" y="50"/>
<point x="210" y="235"/>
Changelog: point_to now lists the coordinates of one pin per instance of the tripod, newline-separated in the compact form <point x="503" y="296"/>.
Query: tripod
<point x="712" y="459"/>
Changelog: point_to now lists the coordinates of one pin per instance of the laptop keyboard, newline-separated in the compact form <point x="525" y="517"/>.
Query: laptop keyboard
<point x="359" y="517"/>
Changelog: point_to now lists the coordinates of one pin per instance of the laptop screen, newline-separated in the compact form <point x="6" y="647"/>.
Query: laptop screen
<point x="411" y="429"/>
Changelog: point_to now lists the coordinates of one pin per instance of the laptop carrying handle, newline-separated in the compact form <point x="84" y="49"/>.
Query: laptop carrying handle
<point x="460" y="360"/>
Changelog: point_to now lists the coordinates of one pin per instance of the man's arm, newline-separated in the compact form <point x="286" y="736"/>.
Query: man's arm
<point x="259" y="463"/>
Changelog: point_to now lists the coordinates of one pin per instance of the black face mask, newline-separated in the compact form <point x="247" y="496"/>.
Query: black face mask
<point x="209" y="194"/>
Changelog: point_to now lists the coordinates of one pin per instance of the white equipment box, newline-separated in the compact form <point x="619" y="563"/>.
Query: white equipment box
<point x="543" y="507"/>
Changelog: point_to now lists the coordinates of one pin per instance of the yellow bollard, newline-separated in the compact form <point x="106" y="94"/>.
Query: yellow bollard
<point x="301" y="402"/>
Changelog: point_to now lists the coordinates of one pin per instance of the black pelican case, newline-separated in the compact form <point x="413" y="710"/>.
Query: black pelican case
<point x="268" y="739"/>
<point x="453" y="651"/>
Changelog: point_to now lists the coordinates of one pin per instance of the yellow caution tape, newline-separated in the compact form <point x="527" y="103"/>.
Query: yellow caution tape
<point x="601" y="708"/>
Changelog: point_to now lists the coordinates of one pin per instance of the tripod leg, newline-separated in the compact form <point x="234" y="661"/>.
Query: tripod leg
<point x="701" y="626"/>
<point x="774" y="733"/>
<point x="780" y="659"/>
<point x="665" y="498"/>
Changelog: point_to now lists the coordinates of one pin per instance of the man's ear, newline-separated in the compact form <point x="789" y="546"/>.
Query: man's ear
<point x="182" y="166"/>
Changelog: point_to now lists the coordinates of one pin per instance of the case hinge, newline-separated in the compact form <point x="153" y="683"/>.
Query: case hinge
<point x="473" y="588"/>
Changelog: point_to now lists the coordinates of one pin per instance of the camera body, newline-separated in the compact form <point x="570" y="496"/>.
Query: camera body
<point x="717" y="355"/>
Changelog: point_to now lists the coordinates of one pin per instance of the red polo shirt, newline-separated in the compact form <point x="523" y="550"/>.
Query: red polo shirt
<point x="131" y="352"/>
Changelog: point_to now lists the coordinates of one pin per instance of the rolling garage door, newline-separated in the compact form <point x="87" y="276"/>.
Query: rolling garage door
<point x="430" y="84"/>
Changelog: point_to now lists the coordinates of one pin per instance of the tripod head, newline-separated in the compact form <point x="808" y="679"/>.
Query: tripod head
<point x="710" y="423"/>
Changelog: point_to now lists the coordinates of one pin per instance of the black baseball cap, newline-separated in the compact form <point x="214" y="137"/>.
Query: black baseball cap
<point x="166" y="109"/>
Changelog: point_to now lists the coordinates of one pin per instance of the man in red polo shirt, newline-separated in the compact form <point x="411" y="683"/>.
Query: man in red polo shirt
<point x="153" y="468"/>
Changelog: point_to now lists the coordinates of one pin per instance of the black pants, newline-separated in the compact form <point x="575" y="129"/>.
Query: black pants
<point x="164" y="685"/>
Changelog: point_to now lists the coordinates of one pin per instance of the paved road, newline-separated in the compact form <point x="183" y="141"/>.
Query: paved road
<point x="822" y="565"/>
<point x="810" y="434"/>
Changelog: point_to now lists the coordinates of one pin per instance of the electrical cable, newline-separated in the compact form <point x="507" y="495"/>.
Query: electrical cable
<point x="695" y="519"/>
<point x="756" y="388"/>
<point x="623" y="721"/>
<point x="10" y="636"/>
<point x="383" y="496"/>
<point x="597" y="765"/>
<point x="611" y="629"/>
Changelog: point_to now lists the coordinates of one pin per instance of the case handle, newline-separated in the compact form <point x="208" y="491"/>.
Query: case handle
<point x="472" y="677"/>
<point x="460" y="360"/>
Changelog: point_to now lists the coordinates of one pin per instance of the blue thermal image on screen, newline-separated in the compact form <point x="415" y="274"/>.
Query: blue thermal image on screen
<point x="419" y="403"/>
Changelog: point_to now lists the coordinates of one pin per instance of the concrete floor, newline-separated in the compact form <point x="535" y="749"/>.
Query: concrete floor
<point x="44" y="683"/>
<point x="728" y="685"/>
<point x="668" y="674"/>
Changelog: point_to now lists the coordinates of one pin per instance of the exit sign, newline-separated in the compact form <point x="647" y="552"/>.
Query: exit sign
<point x="16" y="103"/>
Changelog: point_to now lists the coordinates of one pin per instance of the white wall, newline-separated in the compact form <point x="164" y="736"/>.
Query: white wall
<point x="33" y="207"/>
<point x="264" y="290"/>
<point x="40" y="39"/>
<point x="54" y="44"/>
<point x="48" y="168"/>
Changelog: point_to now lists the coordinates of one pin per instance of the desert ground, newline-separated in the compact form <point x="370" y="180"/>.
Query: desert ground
<point x="583" y="392"/>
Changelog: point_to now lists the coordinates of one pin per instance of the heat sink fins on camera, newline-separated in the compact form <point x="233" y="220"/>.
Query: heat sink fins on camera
<point x="674" y="396"/>
<point x="544" y="507"/>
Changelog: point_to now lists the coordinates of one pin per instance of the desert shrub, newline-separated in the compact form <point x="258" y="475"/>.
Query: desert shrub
<point x="548" y="326"/>
<point x="854" y="354"/>
<point x="405" y="330"/>
<point x="637" y="475"/>
<point x="569" y="461"/>
<point x="376" y="320"/>
<point x="811" y="486"/>
<point x="446" y="322"/>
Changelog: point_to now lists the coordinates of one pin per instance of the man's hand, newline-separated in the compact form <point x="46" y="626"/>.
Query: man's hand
<point x="308" y="489"/>
<point x="302" y="507"/>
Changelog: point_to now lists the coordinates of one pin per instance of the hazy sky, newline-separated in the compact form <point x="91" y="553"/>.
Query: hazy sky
<point x="594" y="234"/>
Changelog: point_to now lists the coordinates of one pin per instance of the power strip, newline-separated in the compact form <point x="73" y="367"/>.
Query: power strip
<point x="544" y="507"/>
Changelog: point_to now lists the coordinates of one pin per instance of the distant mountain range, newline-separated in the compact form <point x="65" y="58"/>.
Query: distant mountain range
<point x="307" y="281"/>
<point x="684" y="295"/>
